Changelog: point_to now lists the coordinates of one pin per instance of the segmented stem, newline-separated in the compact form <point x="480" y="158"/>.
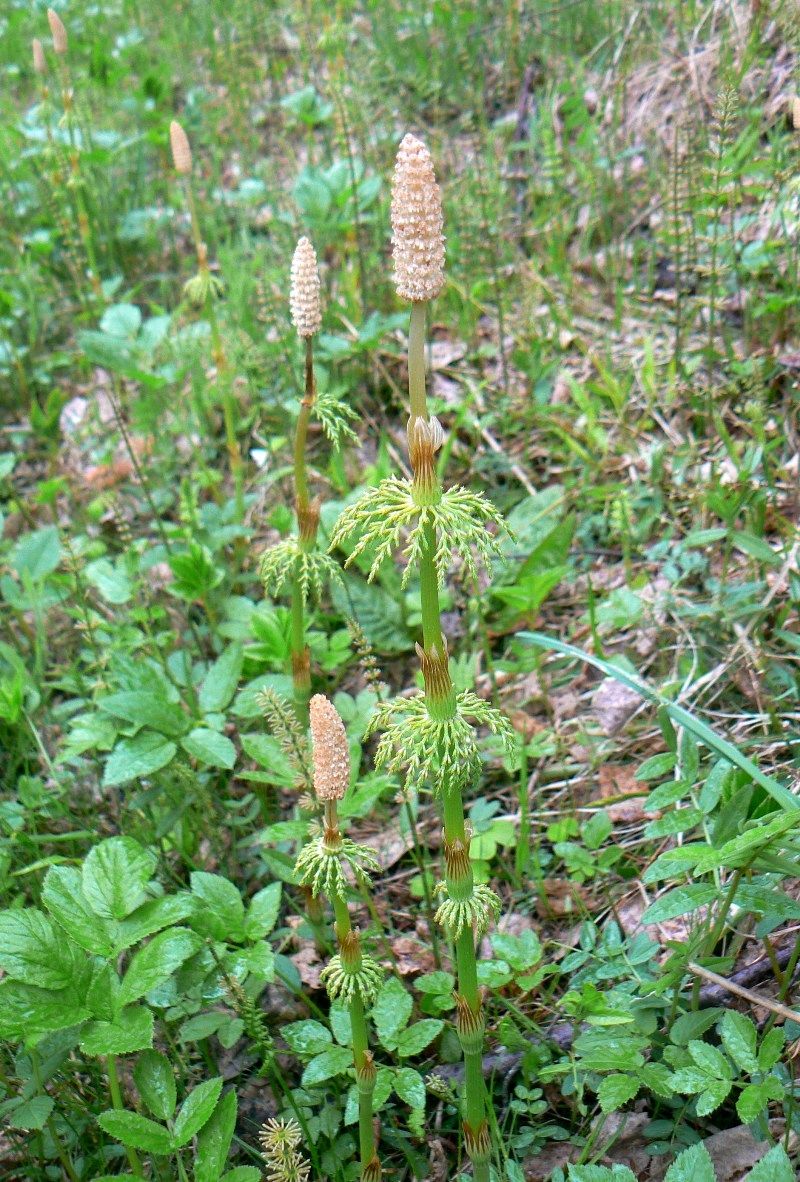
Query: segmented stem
<point x="362" y="1059"/>
<point x="301" y="677"/>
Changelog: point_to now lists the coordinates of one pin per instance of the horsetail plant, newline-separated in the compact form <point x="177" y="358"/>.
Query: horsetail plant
<point x="297" y="561"/>
<point x="202" y="291"/>
<point x="430" y="738"/>
<point x="352" y="976"/>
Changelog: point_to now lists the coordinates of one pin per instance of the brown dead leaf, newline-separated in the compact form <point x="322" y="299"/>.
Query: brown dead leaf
<point x="309" y="965"/>
<point x="389" y="845"/>
<point x="412" y="956"/>
<point x="618" y="779"/>
<point x="614" y="704"/>
<point x="734" y="1152"/>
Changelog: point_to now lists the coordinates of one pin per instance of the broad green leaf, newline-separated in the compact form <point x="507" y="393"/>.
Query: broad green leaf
<point x="110" y="580"/>
<point x="378" y="614"/>
<point x="143" y="708"/>
<point x="62" y="895"/>
<point x="156" y="961"/>
<point x="102" y="997"/>
<point x="770" y="1050"/>
<point x="710" y="1059"/>
<point x="681" y="901"/>
<point x="600" y="1174"/>
<point x="242" y="1174"/>
<point x="391" y="1011"/>
<point x="738" y="1034"/>
<point x="615" y="1091"/>
<point x="210" y="747"/>
<point x="135" y="1131"/>
<point x="214" y="1140"/>
<point x="30" y="1114"/>
<point x="135" y="758"/>
<point x="716" y="1092"/>
<point x="262" y="911"/>
<point x="754" y="1099"/>
<point x="681" y="717"/>
<point x="308" y="1037"/>
<point x="114" y="876"/>
<point x="196" y="1110"/>
<point x="410" y="1086"/>
<point x="416" y="1038"/>
<point x="37" y="555"/>
<point x="26" y="1010"/>
<point x="34" y="951"/>
<point x="693" y="1165"/>
<point x="131" y="1030"/>
<point x="694" y="1024"/>
<point x="151" y="917"/>
<point x="219" y="910"/>
<point x="219" y="684"/>
<point x="773" y="1167"/>
<point x="155" y="1081"/>
<point x="325" y="1066"/>
<point x="201" y="1026"/>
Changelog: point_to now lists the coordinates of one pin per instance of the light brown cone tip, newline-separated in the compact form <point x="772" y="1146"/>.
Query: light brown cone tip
<point x="39" y="62"/>
<point x="59" y="33"/>
<point x="417" y="222"/>
<point x="181" y="152"/>
<point x="304" y="291"/>
<point x="330" y="752"/>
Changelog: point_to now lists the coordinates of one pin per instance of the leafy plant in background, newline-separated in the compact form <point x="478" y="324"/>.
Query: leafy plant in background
<point x="297" y="560"/>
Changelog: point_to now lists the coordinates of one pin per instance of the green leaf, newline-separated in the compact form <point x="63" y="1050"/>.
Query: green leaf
<point x="210" y="747"/>
<point x="196" y="1110"/>
<point x="214" y="1140"/>
<point x="770" y="1050"/>
<point x="753" y="1099"/>
<point x="114" y="876"/>
<point x="219" y="910"/>
<point x="121" y="320"/>
<point x="110" y="580"/>
<point x="681" y="901"/>
<point x="410" y="1086"/>
<point x="33" y="951"/>
<point x="26" y="1010"/>
<point x="416" y="1038"/>
<point x="694" y="1024"/>
<point x="144" y="708"/>
<point x="600" y="1174"/>
<point x="137" y="1132"/>
<point x="308" y="1037"/>
<point x="738" y="1034"/>
<point x="63" y="897"/>
<point x="773" y="1167"/>
<point x="132" y="1030"/>
<point x="30" y="1114"/>
<point x="156" y="961"/>
<point x="378" y="614"/>
<point x="716" y="1092"/>
<point x="693" y="1165"/>
<point x="242" y="1174"/>
<point x="521" y="952"/>
<point x="37" y="555"/>
<point x="151" y="917"/>
<point x="155" y="1081"/>
<point x="330" y="1063"/>
<point x="616" y="1090"/>
<point x="132" y="759"/>
<point x="710" y="1059"/>
<point x="391" y="1011"/>
<point x="219" y="684"/>
<point x="263" y="911"/>
<point x="681" y="717"/>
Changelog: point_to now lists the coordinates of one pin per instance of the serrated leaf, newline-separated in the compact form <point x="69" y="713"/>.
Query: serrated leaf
<point x="26" y="1010"/>
<point x="308" y="1037"/>
<point x="328" y="1064"/>
<point x="615" y="1173"/>
<point x="132" y="759"/>
<point x="710" y="1059"/>
<point x="716" y="1092"/>
<point x="753" y="1099"/>
<point x="114" y="876"/>
<point x="32" y="950"/>
<point x="135" y="1131"/>
<point x="210" y="748"/>
<point x="615" y="1091"/>
<point x="30" y="1114"/>
<point x="773" y="1167"/>
<point x="410" y="1086"/>
<point x="151" y="917"/>
<point x="196" y="1110"/>
<point x="738" y="1034"/>
<point x="219" y="684"/>
<point x="214" y="1140"/>
<point x="681" y="901"/>
<point x="155" y="1081"/>
<point x="156" y="961"/>
<point x="63" y="897"/>
<point x="391" y="1010"/>
<point x="693" y="1025"/>
<point x="220" y="910"/>
<point x="693" y="1165"/>
<point x="263" y="911"/>
<point x="416" y="1038"/>
<point x="242" y="1174"/>
<point x="131" y="1030"/>
<point x="770" y="1050"/>
<point x="144" y="708"/>
<point x="36" y="555"/>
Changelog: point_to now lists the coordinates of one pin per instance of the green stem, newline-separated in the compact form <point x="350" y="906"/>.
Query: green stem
<point x="474" y="1098"/>
<point x="358" y="1024"/>
<point x="116" y="1100"/>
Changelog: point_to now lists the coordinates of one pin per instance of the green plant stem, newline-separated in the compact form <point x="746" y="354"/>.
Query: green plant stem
<point x="307" y="530"/>
<point x="116" y="1100"/>
<point x="474" y="1101"/>
<point x="358" y="1023"/>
